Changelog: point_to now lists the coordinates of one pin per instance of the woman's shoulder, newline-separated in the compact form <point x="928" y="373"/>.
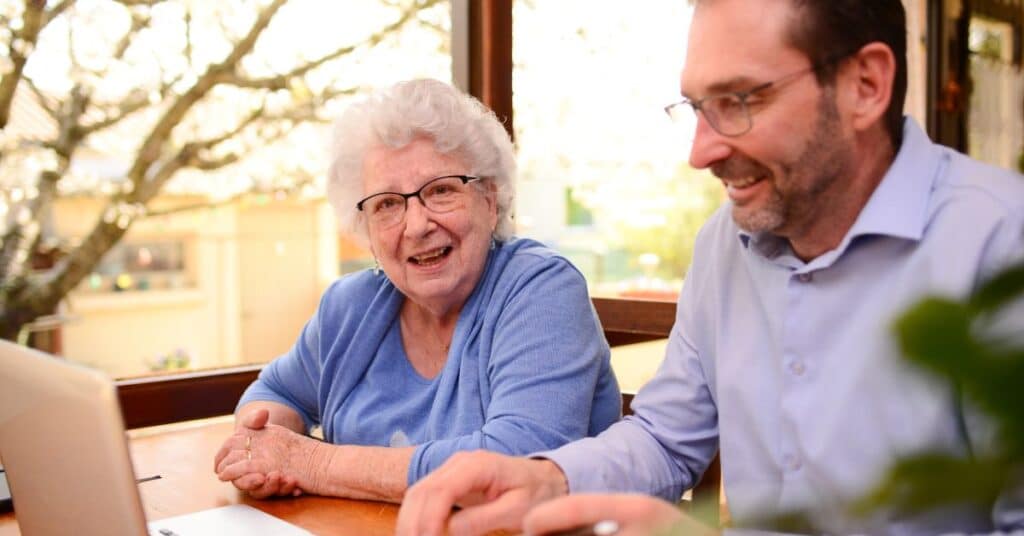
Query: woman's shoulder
<point x="525" y="254"/>
<point x="356" y="293"/>
<point x="526" y="263"/>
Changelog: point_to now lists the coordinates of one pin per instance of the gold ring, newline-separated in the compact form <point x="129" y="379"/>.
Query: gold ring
<point x="248" y="455"/>
<point x="248" y="442"/>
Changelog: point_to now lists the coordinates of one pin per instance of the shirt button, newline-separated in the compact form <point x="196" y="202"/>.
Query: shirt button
<point x="805" y="277"/>
<point x="797" y="368"/>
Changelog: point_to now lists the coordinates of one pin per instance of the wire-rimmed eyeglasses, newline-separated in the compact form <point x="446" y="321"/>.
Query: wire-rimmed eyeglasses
<point x="729" y="113"/>
<point x="441" y="194"/>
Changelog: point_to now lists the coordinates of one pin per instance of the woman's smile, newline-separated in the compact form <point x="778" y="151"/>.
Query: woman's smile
<point x="432" y="257"/>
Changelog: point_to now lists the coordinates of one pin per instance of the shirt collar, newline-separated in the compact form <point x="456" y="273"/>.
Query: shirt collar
<point x="899" y="205"/>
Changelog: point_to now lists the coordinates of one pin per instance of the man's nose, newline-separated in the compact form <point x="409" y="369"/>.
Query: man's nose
<point x="708" y="145"/>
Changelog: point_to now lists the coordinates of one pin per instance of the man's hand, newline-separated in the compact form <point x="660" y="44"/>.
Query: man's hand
<point x="494" y="491"/>
<point x="636" y="515"/>
<point x="266" y="459"/>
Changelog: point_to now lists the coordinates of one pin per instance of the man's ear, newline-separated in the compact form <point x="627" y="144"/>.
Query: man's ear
<point x="867" y="79"/>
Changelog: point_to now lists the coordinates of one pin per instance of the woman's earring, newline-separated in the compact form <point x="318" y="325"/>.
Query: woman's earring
<point x="376" y="266"/>
<point x="494" y="243"/>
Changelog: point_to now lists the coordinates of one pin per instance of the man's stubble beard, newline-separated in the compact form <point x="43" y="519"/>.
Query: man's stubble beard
<point x="794" y="198"/>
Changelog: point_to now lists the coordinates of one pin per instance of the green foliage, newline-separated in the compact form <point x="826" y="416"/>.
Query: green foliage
<point x="956" y="340"/>
<point x="928" y="480"/>
<point x="695" y="197"/>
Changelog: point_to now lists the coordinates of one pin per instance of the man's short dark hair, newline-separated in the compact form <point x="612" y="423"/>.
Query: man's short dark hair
<point x="826" y="30"/>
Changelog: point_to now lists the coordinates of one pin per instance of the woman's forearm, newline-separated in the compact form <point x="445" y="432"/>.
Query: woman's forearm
<point x="356" y="472"/>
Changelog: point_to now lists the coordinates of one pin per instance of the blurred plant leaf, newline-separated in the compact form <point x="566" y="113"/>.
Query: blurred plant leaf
<point x="927" y="480"/>
<point x="1004" y="287"/>
<point x="952" y="339"/>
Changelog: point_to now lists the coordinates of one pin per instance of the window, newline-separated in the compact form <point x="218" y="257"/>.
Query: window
<point x="995" y="119"/>
<point x="208" y="177"/>
<point x="148" y="406"/>
<point x="576" y="213"/>
<point x="603" y="174"/>
<point x="157" y="264"/>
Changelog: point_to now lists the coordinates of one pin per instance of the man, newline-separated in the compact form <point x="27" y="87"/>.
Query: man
<point x="842" y="213"/>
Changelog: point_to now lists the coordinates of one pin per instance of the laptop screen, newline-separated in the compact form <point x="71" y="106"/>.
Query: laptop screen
<point x="64" y="448"/>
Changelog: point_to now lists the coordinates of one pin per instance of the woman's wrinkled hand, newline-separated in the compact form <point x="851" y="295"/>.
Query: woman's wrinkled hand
<point x="268" y="460"/>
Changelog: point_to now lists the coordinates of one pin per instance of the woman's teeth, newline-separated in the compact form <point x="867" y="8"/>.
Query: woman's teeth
<point x="430" y="256"/>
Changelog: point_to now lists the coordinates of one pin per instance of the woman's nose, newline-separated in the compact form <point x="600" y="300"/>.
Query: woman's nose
<point x="418" y="220"/>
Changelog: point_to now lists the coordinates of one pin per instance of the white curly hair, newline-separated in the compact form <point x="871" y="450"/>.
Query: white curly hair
<point x="394" y="117"/>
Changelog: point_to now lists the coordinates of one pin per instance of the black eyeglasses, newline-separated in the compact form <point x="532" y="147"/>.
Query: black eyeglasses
<point x="442" y="194"/>
<point x="729" y="113"/>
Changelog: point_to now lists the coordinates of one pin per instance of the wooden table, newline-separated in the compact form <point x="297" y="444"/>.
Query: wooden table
<point x="183" y="456"/>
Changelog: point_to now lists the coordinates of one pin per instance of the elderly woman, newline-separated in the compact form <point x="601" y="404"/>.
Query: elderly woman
<point x="462" y="338"/>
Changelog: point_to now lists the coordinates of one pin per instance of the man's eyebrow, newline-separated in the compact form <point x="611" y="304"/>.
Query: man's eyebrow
<point x="737" y="83"/>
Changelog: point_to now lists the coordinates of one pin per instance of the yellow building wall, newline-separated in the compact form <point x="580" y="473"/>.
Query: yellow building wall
<point x="123" y="332"/>
<point x="288" y="255"/>
<point x="254" y="275"/>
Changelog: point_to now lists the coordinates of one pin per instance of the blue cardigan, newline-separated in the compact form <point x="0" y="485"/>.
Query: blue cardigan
<point x="528" y="368"/>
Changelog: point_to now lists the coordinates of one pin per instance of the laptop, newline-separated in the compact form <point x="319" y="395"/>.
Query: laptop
<point x="66" y="460"/>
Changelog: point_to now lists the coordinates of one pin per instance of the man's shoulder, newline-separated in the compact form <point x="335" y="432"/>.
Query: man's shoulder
<point x="968" y="185"/>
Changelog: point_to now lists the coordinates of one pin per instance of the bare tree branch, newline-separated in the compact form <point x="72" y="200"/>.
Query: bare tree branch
<point x="163" y="151"/>
<point x="21" y="237"/>
<point x="196" y="206"/>
<point x="281" y="81"/>
<point x="56" y="10"/>
<point x="150" y="149"/>
<point x="212" y="164"/>
<point x="188" y="38"/>
<point x="138" y="23"/>
<point x="43" y="99"/>
<point x="136" y="101"/>
<point x="188" y="207"/>
<point x="19" y="49"/>
<point x="139" y="2"/>
<point x="211" y="142"/>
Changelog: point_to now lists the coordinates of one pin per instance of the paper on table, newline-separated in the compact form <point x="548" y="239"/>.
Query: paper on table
<point x="233" y="520"/>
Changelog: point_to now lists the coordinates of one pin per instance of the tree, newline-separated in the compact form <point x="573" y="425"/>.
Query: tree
<point x="181" y="86"/>
<point x="688" y="199"/>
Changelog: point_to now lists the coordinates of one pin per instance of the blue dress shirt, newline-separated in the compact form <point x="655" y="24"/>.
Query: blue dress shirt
<point x="791" y="366"/>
